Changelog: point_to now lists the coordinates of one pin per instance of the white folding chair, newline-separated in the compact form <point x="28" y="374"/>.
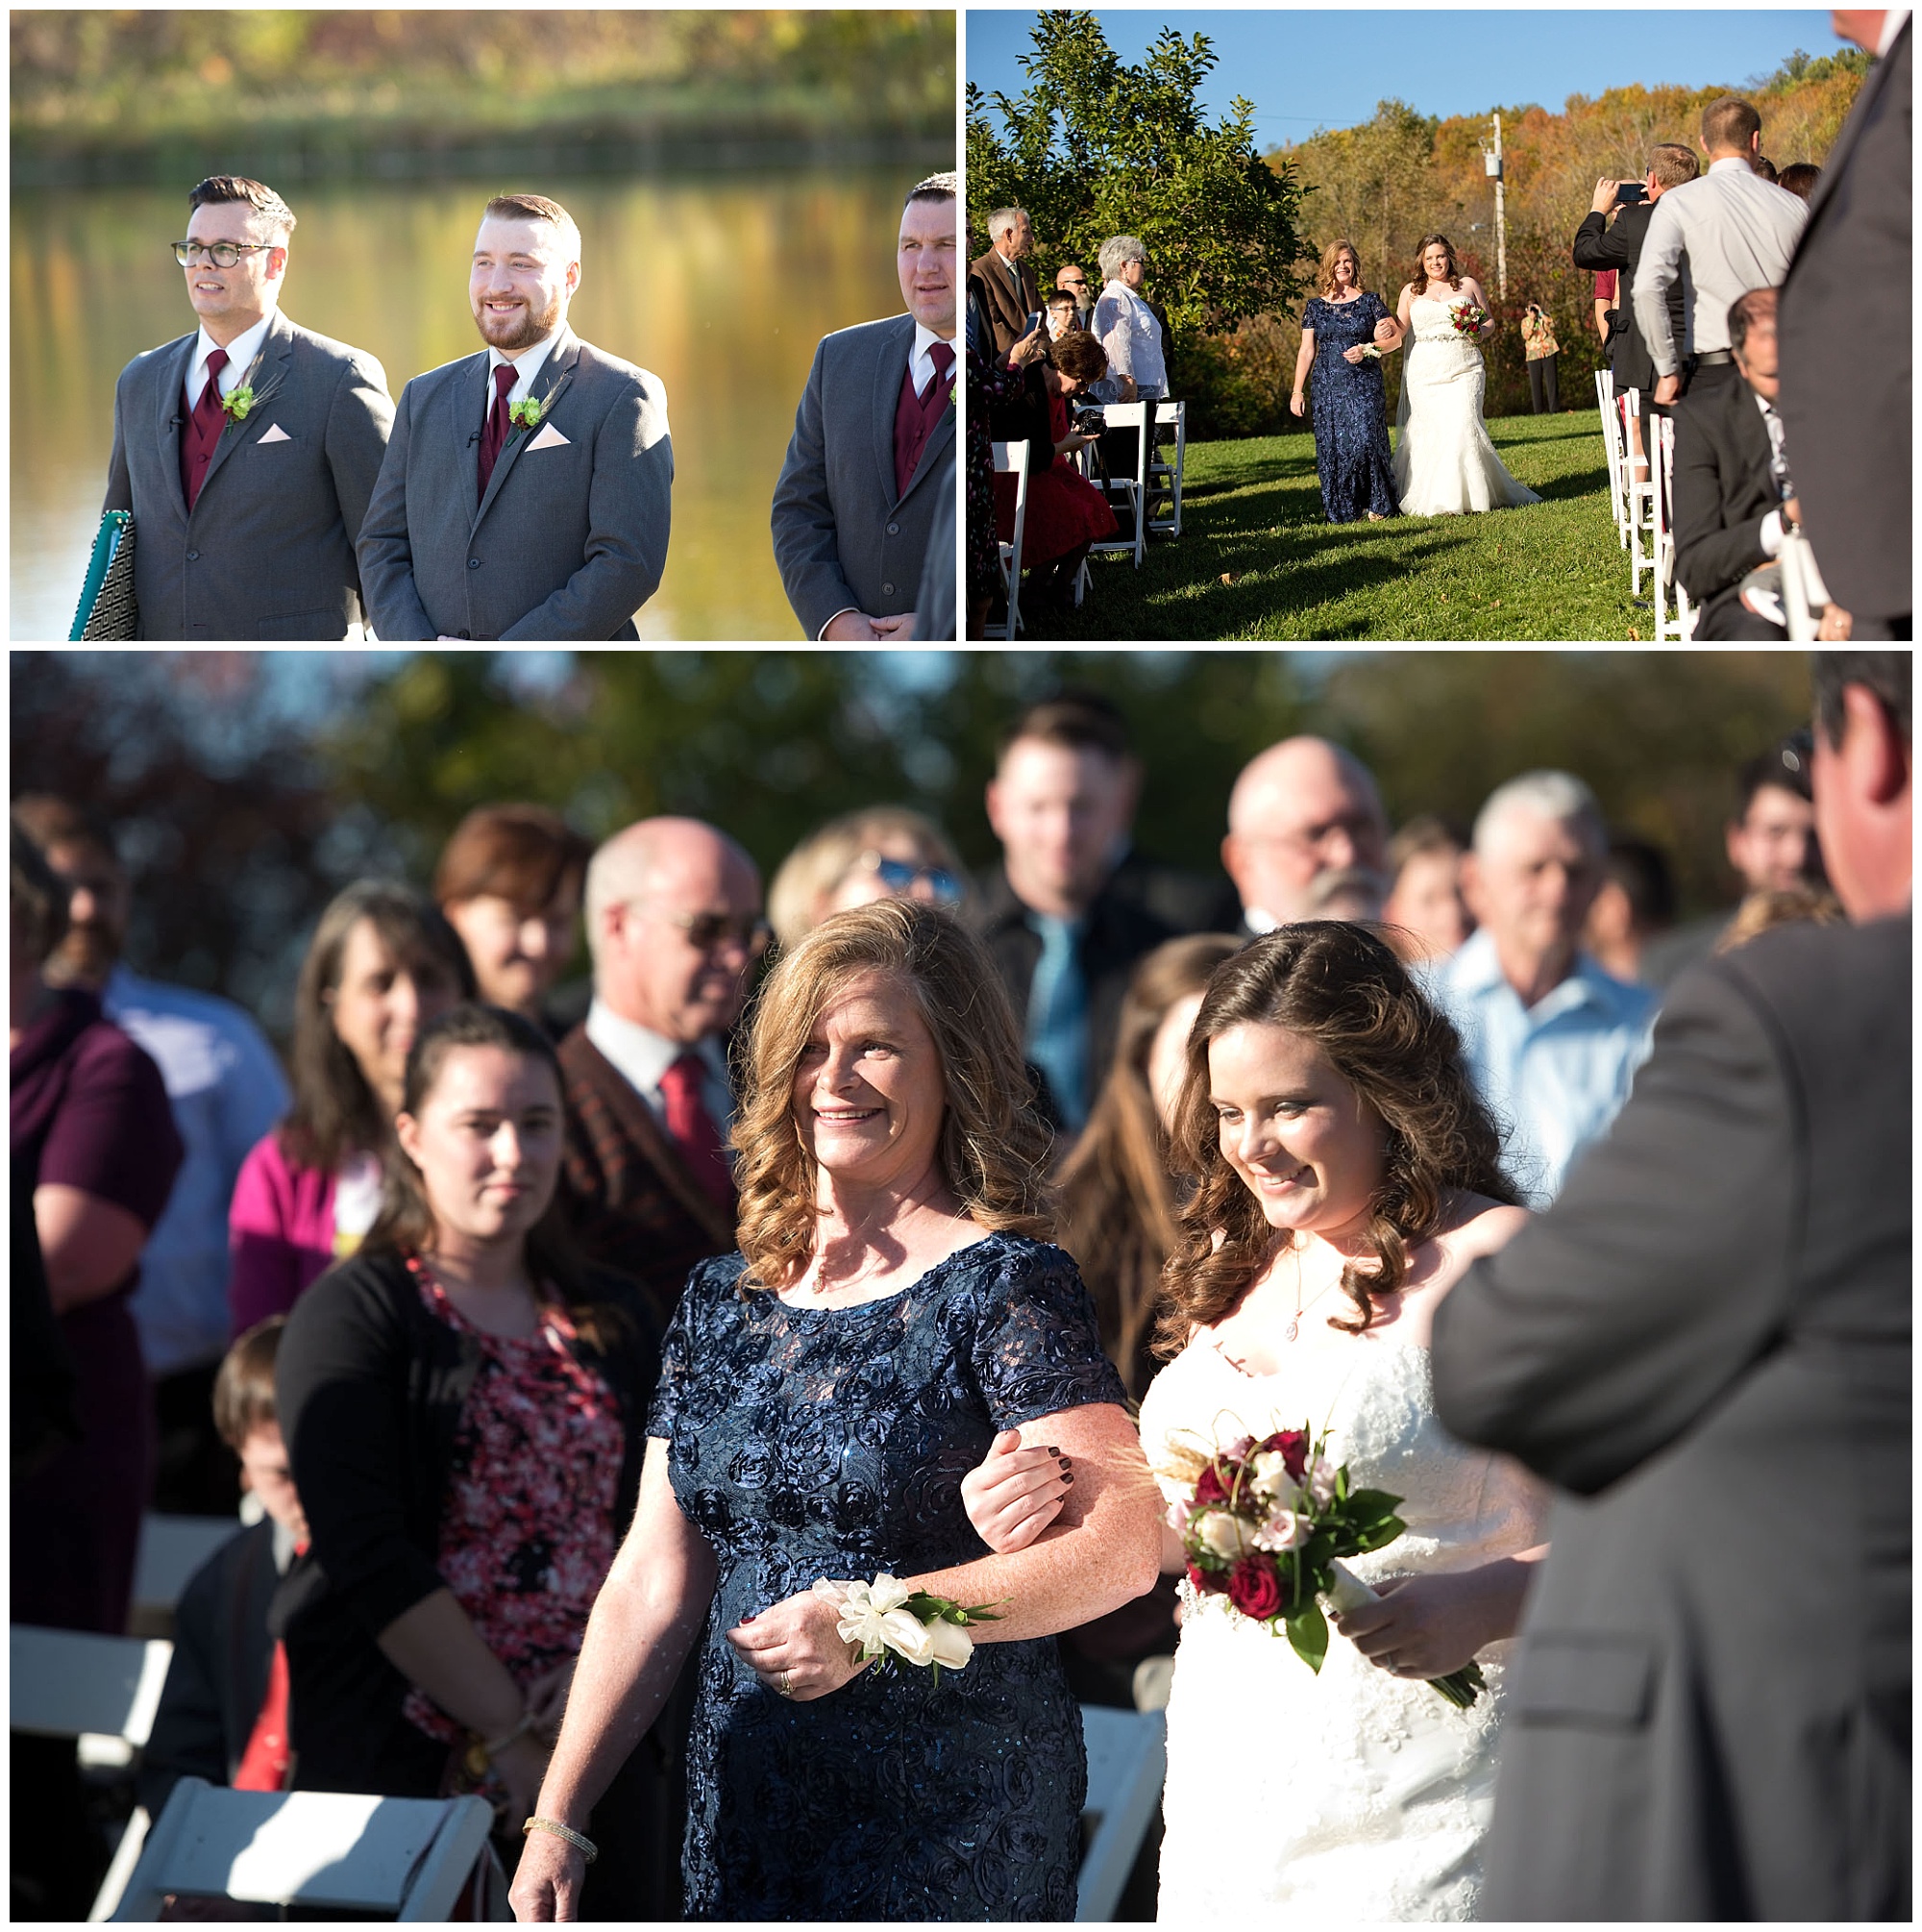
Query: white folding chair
<point x="1662" y="475"/>
<point x="1012" y="457"/>
<point x="1803" y="592"/>
<point x="172" y="1548"/>
<point x="1611" y="446"/>
<point x="1158" y="470"/>
<point x="1127" y="1762"/>
<point x="1640" y="494"/>
<point x="1130" y="492"/>
<point x="340" y="1851"/>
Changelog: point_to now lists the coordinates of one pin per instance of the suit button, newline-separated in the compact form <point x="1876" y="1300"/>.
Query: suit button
<point x="474" y="563"/>
<point x="193" y="556"/>
<point x="887" y="590"/>
<point x="894" y="530"/>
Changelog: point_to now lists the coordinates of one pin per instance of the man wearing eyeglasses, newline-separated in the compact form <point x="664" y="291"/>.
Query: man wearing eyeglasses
<point x="248" y="450"/>
<point x="675" y="927"/>
<point x="1307" y="837"/>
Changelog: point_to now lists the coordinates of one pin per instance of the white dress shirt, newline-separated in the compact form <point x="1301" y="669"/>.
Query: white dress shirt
<point x="526" y="369"/>
<point x="1724" y="234"/>
<point x="1132" y="337"/>
<point x="1771" y="524"/>
<point x="641" y="1056"/>
<point x="240" y="354"/>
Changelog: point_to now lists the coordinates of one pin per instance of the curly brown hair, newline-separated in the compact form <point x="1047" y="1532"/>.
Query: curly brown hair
<point x="1339" y="985"/>
<point x="994" y="1149"/>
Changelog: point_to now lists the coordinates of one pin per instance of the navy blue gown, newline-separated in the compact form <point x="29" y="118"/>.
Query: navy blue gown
<point x="1350" y="412"/>
<point x="831" y="1442"/>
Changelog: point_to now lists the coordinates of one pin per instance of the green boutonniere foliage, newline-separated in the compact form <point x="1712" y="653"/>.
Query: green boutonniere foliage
<point x="525" y="414"/>
<point x="238" y="402"/>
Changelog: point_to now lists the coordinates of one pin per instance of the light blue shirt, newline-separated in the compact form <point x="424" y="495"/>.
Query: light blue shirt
<point x="227" y="1090"/>
<point x="1556" y="1073"/>
<point x="1057" y="1016"/>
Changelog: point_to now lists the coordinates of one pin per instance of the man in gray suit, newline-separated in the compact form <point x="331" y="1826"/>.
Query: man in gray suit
<point x="856" y="495"/>
<point x="1706" y="1340"/>
<point x="246" y="451"/>
<point x="525" y="494"/>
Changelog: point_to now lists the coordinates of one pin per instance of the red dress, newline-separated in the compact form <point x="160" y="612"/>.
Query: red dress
<point x="1064" y="509"/>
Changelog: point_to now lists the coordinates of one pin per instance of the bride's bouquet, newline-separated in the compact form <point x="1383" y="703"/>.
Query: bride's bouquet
<point x="1468" y="317"/>
<point x="1266" y="1525"/>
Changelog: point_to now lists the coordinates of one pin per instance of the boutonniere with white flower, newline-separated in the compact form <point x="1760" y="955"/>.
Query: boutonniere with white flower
<point x="887" y="1619"/>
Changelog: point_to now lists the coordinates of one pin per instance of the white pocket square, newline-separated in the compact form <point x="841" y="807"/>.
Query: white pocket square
<point x="276" y="435"/>
<point x="550" y="438"/>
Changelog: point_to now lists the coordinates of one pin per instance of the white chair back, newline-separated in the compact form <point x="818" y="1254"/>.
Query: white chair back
<point x="1131" y="490"/>
<point x="1177" y="415"/>
<point x="1803" y="591"/>
<point x="1612" y="448"/>
<point x="1662" y="475"/>
<point x="1639" y="492"/>
<point x="65" y="1683"/>
<point x="330" y="1850"/>
<point x="1127" y="1762"/>
<point x="1013" y="457"/>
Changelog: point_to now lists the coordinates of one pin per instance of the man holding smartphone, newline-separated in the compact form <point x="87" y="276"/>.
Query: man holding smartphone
<point x="1014" y="296"/>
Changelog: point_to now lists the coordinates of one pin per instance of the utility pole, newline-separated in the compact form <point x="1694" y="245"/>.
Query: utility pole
<point x="1493" y="163"/>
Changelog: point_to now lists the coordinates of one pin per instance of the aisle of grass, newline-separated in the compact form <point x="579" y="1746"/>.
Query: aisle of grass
<point x="1251" y="515"/>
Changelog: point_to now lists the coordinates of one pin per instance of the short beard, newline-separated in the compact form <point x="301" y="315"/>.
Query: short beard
<point x="530" y="329"/>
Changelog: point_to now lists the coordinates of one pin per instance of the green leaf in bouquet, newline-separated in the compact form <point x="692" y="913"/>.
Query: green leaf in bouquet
<point x="1377" y="1535"/>
<point x="1307" y="1632"/>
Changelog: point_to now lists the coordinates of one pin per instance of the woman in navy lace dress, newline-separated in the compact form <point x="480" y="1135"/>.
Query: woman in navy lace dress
<point x="1337" y="328"/>
<point x="823" y="1396"/>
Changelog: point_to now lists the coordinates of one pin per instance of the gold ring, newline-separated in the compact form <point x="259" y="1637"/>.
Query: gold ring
<point x="782" y="1685"/>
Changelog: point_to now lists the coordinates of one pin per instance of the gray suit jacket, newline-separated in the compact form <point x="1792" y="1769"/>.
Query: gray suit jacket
<point x="1707" y="1339"/>
<point x="569" y="540"/>
<point x="268" y="551"/>
<point x="842" y="535"/>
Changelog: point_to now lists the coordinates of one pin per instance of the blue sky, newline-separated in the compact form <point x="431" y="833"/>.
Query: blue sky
<point x="1305" y="68"/>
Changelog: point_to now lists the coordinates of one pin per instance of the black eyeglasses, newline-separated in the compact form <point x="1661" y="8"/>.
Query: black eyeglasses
<point x="899" y="876"/>
<point x="222" y="254"/>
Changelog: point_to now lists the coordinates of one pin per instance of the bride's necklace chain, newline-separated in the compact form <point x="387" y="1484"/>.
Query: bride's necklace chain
<point x="1294" y="1328"/>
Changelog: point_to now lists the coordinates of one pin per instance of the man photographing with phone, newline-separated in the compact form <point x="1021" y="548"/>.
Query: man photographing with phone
<point x="1008" y="281"/>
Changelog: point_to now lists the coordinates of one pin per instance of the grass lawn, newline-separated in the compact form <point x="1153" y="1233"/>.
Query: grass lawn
<point x="1256" y="562"/>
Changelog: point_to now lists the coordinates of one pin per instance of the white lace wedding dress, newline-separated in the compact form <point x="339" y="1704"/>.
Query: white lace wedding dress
<point x="1444" y="463"/>
<point x="1351" y="1794"/>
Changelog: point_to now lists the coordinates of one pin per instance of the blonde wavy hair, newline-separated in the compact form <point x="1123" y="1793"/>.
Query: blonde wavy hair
<point x="994" y="1148"/>
<point x="1332" y="254"/>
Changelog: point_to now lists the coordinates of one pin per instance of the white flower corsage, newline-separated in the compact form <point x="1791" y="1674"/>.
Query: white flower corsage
<point x="887" y="1619"/>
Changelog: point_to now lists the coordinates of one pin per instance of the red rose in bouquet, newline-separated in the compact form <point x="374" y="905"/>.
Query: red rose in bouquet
<point x="1254" y="1589"/>
<point x="1292" y="1445"/>
<point x="1211" y="1580"/>
<point x="1210" y="1488"/>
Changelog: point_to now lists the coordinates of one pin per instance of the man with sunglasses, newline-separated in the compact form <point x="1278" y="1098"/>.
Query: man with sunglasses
<point x="675" y="927"/>
<point x="248" y="450"/>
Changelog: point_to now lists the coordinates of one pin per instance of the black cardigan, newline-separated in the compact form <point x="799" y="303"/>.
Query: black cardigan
<point x="370" y="1387"/>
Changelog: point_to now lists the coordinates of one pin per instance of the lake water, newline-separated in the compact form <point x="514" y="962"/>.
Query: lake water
<point x="721" y="285"/>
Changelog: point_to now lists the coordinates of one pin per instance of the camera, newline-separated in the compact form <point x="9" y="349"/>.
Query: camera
<point x="1089" y="418"/>
<point x="1630" y="192"/>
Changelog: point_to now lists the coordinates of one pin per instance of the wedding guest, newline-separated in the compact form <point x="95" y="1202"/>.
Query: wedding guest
<point x="1064" y="942"/>
<point x="1550" y="1040"/>
<point x="1738" y="233"/>
<point x="1720" y="1307"/>
<point x="1124" y="324"/>
<point x="95" y="1147"/>
<point x="1062" y="315"/>
<point x="1074" y="278"/>
<point x="286" y="428"/>
<point x="1539" y="350"/>
<point x="1634" y="908"/>
<point x="880" y="851"/>
<point x="224" y="1089"/>
<point x="510" y="882"/>
<point x="1339" y="328"/>
<point x="1424" y="910"/>
<point x="675" y="927"/>
<point x="1765" y="168"/>
<point x="855" y="500"/>
<point x="1066" y="513"/>
<point x="525" y="492"/>
<point x="892" y="1309"/>
<point x="1607" y="282"/>
<point x="382" y="963"/>
<point x="462" y="1402"/>
<point x="1847" y="417"/>
<point x="1301" y="809"/>
<point x="1008" y="277"/>
<point x="223" y="1710"/>
<point x="1799" y="178"/>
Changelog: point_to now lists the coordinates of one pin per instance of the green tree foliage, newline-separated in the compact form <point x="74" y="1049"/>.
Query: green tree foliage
<point x="1094" y="147"/>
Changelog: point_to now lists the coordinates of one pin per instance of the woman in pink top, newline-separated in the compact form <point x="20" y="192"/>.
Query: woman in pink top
<point x="382" y="964"/>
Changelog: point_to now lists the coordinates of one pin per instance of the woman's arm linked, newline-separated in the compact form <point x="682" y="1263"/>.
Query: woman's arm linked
<point x="644" y="1621"/>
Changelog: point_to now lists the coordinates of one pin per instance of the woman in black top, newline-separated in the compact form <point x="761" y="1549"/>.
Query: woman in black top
<point x="463" y="1409"/>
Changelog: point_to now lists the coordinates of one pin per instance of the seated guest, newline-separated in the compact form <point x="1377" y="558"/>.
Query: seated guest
<point x="1424" y="910"/>
<point x="1066" y="512"/>
<point x="509" y="883"/>
<point x="382" y="964"/>
<point x="1634" y="906"/>
<point x="1732" y="501"/>
<point x="881" y="852"/>
<point x="223" y="1714"/>
<point x="1800" y="178"/>
<point x="463" y="1402"/>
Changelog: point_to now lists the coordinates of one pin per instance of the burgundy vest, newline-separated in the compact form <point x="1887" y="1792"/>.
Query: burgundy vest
<point x="199" y="437"/>
<point x="915" y="422"/>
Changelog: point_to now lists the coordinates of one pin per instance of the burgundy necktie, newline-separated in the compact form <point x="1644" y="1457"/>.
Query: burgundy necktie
<point x="494" y="437"/>
<point x="693" y="1130"/>
<point x="943" y="358"/>
<point x="204" y="427"/>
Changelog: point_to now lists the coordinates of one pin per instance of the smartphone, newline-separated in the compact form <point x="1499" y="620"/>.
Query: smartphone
<point x="1034" y="322"/>
<point x="1630" y="192"/>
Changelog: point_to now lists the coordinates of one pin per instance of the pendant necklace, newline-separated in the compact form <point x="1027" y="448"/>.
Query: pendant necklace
<point x="1294" y="1328"/>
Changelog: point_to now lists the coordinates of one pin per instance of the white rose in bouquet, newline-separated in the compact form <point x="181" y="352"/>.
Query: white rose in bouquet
<point x="1273" y="1480"/>
<point x="1223" y="1534"/>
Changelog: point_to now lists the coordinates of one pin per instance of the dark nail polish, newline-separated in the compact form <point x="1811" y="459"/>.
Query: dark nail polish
<point x="1068" y="1478"/>
<point x="1052" y="1451"/>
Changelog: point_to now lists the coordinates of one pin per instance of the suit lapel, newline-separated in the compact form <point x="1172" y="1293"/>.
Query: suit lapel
<point x="175" y="362"/>
<point x="651" y="1140"/>
<point x="561" y="358"/>
<point x="275" y="351"/>
<point x="890" y="367"/>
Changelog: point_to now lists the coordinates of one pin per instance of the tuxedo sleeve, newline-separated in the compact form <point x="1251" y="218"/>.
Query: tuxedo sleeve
<point x="359" y="420"/>
<point x="1709" y="554"/>
<point x="384" y="551"/>
<point x="629" y="502"/>
<point x="1661" y="1275"/>
<point x="1598" y="247"/>
<point x="1660" y="266"/>
<point x="806" y="534"/>
<point x="119" y="483"/>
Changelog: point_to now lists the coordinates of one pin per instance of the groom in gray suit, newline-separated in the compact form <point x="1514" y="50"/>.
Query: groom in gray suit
<point x="525" y="492"/>
<point x="245" y="511"/>
<point x="856" y="495"/>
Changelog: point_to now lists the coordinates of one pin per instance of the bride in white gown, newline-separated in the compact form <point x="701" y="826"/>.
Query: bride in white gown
<point x="1444" y="463"/>
<point x="1346" y="1176"/>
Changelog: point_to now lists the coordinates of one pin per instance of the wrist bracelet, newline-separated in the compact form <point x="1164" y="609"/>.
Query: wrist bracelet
<point x="580" y="1842"/>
